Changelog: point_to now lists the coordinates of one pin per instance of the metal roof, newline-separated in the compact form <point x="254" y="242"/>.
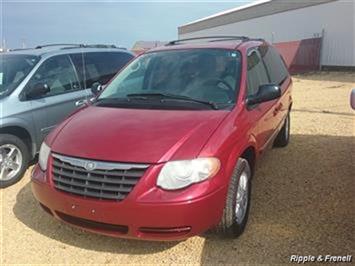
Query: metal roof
<point x="256" y="9"/>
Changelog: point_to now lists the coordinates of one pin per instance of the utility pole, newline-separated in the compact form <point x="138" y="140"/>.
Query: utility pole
<point x="321" y="49"/>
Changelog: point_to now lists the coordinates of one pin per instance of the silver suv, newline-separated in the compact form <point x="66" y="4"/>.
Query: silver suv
<point x="39" y="87"/>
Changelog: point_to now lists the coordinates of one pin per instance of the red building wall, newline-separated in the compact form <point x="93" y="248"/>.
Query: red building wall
<point x="301" y="56"/>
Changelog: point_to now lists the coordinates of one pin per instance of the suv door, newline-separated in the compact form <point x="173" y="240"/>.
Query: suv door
<point x="64" y="90"/>
<point x="263" y="113"/>
<point x="279" y="75"/>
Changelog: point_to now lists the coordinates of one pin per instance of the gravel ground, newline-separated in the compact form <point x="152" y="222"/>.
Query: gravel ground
<point x="302" y="200"/>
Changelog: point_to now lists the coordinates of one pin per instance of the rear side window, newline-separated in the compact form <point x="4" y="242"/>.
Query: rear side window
<point x="257" y="74"/>
<point x="274" y="64"/>
<point x="99" y="66"/>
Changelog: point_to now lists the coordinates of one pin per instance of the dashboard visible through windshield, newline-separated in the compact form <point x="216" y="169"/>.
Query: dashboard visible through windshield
<point x="194" y="78"/>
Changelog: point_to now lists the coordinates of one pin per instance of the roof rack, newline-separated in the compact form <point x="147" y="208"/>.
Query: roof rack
<point x="215" y="39"/>
<point x="75" y="45"/>
<point x="242" y="38"/>
<point x="18" y="49"/>
<point x="98" y="46"/>
<point x="101" y="46"/>
<point x="72" y="46"/>
<point x="58" y="44"/>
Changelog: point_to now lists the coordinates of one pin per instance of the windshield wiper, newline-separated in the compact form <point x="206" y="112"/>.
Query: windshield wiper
<point x="174" y="97"/>
<point x="109" y="101"/>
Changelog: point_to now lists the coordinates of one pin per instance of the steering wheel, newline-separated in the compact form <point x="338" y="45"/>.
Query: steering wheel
<point x="227" y="88"/>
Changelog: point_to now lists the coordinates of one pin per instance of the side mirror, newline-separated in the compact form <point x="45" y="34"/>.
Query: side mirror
<point x="37" y="90"/>
<point x="267" y="92"/>
<point x="352" y="99"/>
<point x="96" y="87"/>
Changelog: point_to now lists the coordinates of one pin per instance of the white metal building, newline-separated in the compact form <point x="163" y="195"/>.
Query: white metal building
<point x="288" y="20"/>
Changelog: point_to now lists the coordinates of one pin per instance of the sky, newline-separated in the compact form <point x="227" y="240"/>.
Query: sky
<point x="105" y="22"/>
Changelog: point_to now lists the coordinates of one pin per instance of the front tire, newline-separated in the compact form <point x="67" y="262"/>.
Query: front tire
<point x="283" y="138"/>
<point x="14" y="158"/>
<point x="236" y="210"/>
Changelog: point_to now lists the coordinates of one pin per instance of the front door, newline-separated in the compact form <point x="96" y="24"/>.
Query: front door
<point x="262" y="114"/>
<point x="64" y="91"/>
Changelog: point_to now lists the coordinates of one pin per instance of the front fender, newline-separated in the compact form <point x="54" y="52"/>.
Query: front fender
<point x="23" y="124"/>
<point x="237" y="151"/>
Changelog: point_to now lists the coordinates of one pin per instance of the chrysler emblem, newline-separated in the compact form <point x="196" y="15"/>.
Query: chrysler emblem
<point x="90" y="166"/>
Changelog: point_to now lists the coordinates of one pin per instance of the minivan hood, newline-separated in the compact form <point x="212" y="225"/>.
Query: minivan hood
<point x="136" y="135"/>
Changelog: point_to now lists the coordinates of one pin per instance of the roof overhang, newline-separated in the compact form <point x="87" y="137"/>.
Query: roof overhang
<point x="256" y="9"/>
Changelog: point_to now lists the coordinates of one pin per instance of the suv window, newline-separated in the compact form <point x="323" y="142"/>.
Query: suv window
<point x="257" y="74"/>
<point x="58" y="74"/>
<point x="13" y="70"/>
<point x="99" y="66"/>
<point x="274" y="64"/>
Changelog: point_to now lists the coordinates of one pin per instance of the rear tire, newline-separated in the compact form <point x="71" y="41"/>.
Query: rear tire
<point x="233" y="222"/>
<point x="12" y="164"/>
<point x="283" y="138"/>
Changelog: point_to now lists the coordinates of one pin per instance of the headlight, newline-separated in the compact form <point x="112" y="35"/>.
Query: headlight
<point x="43" y="156"/>
<point x="180" y="174"/>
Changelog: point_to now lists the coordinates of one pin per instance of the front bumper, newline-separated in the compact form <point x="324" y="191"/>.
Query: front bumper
<point x="132" y="218"/>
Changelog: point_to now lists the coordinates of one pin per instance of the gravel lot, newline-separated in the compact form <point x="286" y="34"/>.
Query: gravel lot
<point x="302" y="200"/>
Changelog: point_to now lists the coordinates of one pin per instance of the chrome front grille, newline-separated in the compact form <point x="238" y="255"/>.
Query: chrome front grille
<point x="95" y="179"/>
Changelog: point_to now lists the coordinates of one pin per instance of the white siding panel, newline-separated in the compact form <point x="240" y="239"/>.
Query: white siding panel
<point x="336" y="18"/>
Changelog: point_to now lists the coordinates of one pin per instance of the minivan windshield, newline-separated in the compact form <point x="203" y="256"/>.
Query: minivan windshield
<point x="13" y="69"/>
<point x="193" y="78"/>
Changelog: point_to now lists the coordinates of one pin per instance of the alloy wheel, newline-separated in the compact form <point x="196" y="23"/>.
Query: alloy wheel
<point x="242" y="197"/>
<point x="11" y="161"/>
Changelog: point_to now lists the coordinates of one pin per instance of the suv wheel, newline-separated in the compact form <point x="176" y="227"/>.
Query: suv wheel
<point x="14" y="157"/>
<point x="283" y="137"/>
<point x="236" y="210"/>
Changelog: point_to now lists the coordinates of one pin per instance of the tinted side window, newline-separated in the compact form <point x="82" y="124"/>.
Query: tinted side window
<point x="100" y="66"/>
<point x="58" y="74"/>
<point x="274" y="64"/>
<point x="257" y="74"/>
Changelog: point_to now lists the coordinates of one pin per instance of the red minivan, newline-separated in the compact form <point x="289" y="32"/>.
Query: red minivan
<point x="168" y="149"/>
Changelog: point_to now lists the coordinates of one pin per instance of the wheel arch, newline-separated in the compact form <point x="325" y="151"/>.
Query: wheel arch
<point x="249" y="154"/>
<point x="248" y="151"/>
<point x="21" y="133"/>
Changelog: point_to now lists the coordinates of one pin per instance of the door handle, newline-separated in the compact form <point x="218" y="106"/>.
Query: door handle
<point x="80" y="103"/>
<point x="277" y="109"/>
